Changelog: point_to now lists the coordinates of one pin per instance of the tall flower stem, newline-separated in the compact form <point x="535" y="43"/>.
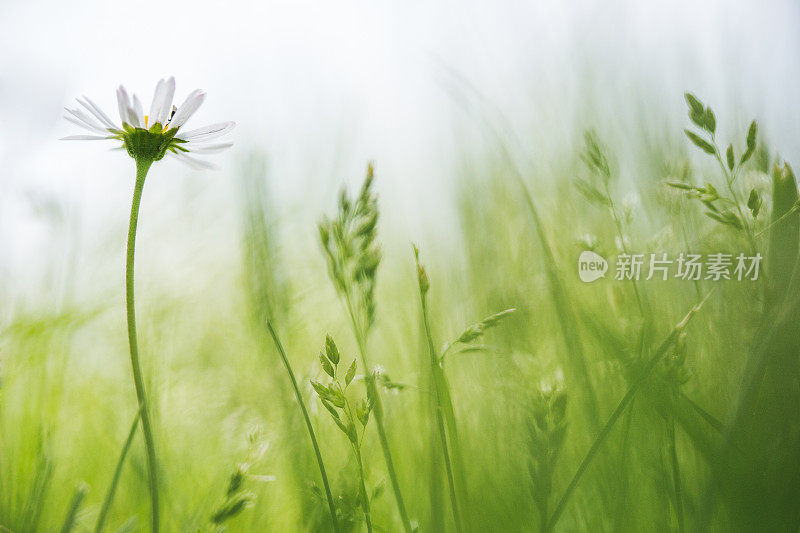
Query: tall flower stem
<point x="377" y="410"/>
<point x="307" y="419"/>
<point x="142" y="166"/>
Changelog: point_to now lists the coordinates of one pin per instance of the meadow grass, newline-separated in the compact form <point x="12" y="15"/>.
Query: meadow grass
<point x="605" y="406"/>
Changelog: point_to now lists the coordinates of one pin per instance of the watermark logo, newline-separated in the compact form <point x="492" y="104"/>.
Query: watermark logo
<point x="686" y="267"/>
<point x="591" y="266"/>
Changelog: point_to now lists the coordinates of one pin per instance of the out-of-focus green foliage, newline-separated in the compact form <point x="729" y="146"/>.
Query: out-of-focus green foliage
<point x="707" y="439"/>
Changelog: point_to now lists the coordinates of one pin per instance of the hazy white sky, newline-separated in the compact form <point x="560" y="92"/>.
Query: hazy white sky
<point x="324" y="86"/>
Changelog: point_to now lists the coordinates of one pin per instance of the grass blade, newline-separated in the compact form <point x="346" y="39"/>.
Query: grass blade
<point x="72" y="513"/>
<point x="676" y="473"/>
<point x="307" y="419"/>
<point x="439" y="390"/>
<point x="101" y="517"/>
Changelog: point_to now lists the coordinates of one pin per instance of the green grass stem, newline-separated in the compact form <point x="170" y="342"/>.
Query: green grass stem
<point x="311" y="434"/>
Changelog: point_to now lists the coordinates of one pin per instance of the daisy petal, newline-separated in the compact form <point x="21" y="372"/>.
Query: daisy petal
<point x="166" y="108"/>
<point x="85" y="126"/>
<point x="87" y="120"/>
<point x="134" y="118"/>
<point x="187" y="109"/>
<point x="84" y="138"/>
<point x="207" y="133"/>
<point x="206" y="148"/>
<point x="137" y="110"/>
<point x="162" y="101"/>
<point x="194" y="162"/>
<point x="97" y="112"/>
<point x="158" y="100"/>
<point x="123" y="103"/>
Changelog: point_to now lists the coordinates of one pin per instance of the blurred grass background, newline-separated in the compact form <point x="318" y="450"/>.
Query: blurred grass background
<point x="462" y="108"/>
<point x="215" y="380"/>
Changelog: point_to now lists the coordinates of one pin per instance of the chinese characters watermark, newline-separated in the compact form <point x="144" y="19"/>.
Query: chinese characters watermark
<point x="660" y="266"/>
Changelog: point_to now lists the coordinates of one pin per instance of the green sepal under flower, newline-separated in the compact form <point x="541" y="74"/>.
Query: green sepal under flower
<point x="150" y="144"/>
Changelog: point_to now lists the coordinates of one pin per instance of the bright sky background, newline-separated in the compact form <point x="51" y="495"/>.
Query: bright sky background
<point x="324" y="86"/>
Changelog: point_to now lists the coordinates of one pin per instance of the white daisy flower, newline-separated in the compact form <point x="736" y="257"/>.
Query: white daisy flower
<point x="150" y="137"/>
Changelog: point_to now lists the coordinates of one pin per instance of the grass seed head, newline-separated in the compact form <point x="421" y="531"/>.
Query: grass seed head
<point x="351" y="250"/>
<point x="331" y="351"/>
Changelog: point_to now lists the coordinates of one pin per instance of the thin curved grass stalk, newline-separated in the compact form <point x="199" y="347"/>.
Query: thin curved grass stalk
<point x="436" y="505"/>
<point x="307" y="419"/>
<point x="568" y="321"/>
<point x="112" y="489"/>
<point x="373" y="393"/>
<point x="440" y="390"/>
<point x="142" y="166"/>
<point x="72" y="513"/>
<point x="705" y="415"/>
<point x="355" y="443"/>
<point x="676" y="473"/>
<point x="362" y="487"/>
<point x="622" y="496"/>
<point x="620" y="409"/>
<point x="795" y="209"/>
<point x="452" y="438"/>
<point x="436" y="514"/>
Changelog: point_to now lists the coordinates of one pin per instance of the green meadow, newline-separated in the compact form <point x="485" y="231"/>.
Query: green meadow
<point x="475" y="386"/>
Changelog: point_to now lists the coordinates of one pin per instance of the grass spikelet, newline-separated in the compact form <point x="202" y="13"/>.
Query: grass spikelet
<point x="353" y="255"/>
<point x="547" y="428"/>
<point x="351" y="417"/>
<point x="71" y="518"/>
<point x="477" y="330"/>
<point x="237" y="497"/>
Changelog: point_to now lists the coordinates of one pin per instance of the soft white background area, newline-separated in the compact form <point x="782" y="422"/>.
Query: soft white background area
<point x="322" y="87"/>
